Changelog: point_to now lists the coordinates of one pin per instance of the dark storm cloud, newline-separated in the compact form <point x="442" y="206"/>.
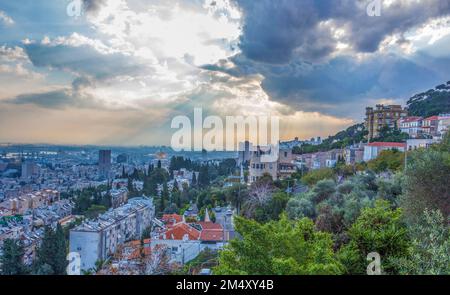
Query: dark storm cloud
<point x="279" y="31"/>
<point x="92" y="6"/>
<point x="57" y="99"/>
<point x="342" y="86"/>
<point x="289" y="43"/>
<point x="83" y="60"/>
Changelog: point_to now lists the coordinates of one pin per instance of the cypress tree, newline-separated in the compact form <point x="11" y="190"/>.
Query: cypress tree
<point x="123" y="171"/>
<point x="130" y="185"/>
<point x="60" y="255"/>
<point x="150" y="169"/>
<point x="194" y="178"/>
<point x="164" y="197"/>
<point x="51" y="255"/>
<point x="12" y="259"/>
<point x="175" y="186"/>
<point x="46" y="252"/>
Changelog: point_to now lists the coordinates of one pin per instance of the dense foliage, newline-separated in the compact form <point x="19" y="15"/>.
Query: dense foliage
<point x="354" y="214"/>
<point x="431" y="103"/>
<point x="430" y="246"/>
<point x="353" y="134"/>
<point x="11" y="261"/>
<point x="427" y="180"/>
<point x="281" y="247"/>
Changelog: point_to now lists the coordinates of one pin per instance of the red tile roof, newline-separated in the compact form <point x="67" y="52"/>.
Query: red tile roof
<point x="388" y="144"/>
<point x="172" y="218"/>
<point x="138" y="242"/>
<point x="432" y="118"/>
<point x="178" y="231"/>
<point x="410" y="119"/>
<point x="211" y="235"/>
<point x="210" y="225"/>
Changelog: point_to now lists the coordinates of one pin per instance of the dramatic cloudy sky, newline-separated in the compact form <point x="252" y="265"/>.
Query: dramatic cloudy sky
<point x="120" y="72"/>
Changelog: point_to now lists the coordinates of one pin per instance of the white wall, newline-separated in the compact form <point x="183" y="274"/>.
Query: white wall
<point x="87" y="244"/>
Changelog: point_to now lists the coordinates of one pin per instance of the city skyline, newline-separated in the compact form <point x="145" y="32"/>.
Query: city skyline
<point x="118" y="73"/>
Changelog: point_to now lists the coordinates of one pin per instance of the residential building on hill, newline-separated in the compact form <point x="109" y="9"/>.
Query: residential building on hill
<point x="98" y="239"/>
<point x="414" y="144"/>
<point x="320" y="160"/>
<point x="279" y="169"/>
<point x="411" y="125"/>
<point x="443" y="124"/>
<point x="354" y="154"/>
<point x="373" y="149"/>
<point x="430" y="125"/>
<point x="185" y="240"/>
<point x="382" y="116"/>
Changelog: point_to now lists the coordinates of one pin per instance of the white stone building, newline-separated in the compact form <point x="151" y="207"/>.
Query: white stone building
<point x="97" y="240"/>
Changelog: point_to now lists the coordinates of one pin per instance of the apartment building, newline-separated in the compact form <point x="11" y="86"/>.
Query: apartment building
<point x="119" y="197"/>
<point x="29" y="170"/>
<point x="373" y="149"/>
<point x="320" y="160"/>
<point x="281" y="168"/>
<point x="381" y="116"/>
<point x="244" y="153"/>
<point x="414" y="144"/>
<point x="354" y="154"/>
<point x="443" y="124"/>
<point x="258" y="168"/>
<point x="98" y="239"/>
<point x="411" y="125"/>
<point x="430" y="125"/>
<point x="104" y="163"/>
<point x="22" y="203"/>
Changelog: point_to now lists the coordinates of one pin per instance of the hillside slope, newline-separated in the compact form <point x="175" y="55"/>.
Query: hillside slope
<point x="430" y="103"/>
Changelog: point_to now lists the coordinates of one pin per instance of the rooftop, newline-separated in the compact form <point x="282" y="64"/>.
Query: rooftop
<point x="388" y="144"/>
<point x="107" y="219"/>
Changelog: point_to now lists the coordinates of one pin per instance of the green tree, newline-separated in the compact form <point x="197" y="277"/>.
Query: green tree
<point x="60" y="255"/>
<point x="430" y="247"/>
<point x="426" y="182"/>
<point x="11" y="262"/>
<point x="300" y="207"/>
<point x="51" y="255"/>
<point x="274" y="207"/>
<point x="130" y="185"/>
<point x="94" y="211"/>
<point x="203" y="176"/>
<point x="236" y="195"/>
<point x="323" y="190"/>
<point x="164" y="197"/>
<point x="379" y="229"/>
<point x="314" y="176"/>
<point x="391" y="160"/>
<point x="281" y="247"/>
<point x="151" y="167"/>
<point x="194" y="179"/>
